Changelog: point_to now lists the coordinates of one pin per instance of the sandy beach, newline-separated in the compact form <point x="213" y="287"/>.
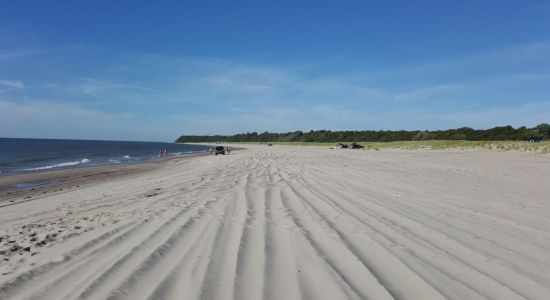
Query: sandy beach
<point x="287" y="222"/>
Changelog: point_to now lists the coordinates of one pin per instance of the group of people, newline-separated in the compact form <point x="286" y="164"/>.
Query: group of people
<point x="163" y="152"/>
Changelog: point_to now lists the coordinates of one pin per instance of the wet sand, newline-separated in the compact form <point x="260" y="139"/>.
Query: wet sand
<point x="46" y="183"/>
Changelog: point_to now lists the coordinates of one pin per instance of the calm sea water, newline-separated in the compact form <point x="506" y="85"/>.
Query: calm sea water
<point x="28" y="155"/>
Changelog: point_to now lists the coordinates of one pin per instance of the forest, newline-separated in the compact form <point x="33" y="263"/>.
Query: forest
<point x="503" y="133"/>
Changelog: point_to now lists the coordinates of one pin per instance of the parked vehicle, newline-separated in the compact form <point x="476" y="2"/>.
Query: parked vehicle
<point x="343" y="146"/>
<point x="219" y="150"/>
<point x="350" y="146"/>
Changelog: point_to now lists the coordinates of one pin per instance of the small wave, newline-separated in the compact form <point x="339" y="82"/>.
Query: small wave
<point x="61" y="165"/>
<point x="126" y="157"/>
<point x="114" y="161"/>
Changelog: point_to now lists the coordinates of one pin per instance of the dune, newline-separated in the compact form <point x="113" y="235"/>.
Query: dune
<point x="287" y="222"/>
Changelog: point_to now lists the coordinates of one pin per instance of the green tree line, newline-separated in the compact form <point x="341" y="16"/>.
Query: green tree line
<point x="503" y="133"/>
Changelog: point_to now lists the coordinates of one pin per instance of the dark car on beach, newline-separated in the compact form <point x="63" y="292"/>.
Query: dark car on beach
<point x="219" y="150"/>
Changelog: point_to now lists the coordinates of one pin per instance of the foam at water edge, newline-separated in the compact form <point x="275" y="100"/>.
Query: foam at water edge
<point x="61" y="165"/>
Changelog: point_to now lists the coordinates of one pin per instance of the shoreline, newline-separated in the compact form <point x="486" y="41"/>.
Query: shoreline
<point x="23" y="156"/>
<point x="48" y="182"/>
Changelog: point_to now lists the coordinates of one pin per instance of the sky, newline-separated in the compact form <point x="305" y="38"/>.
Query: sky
<point x="152" y="71"/>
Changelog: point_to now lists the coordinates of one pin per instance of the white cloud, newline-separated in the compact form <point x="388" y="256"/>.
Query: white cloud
<point x="94" y="87"/>
<point x="225" y="82"/>
<point x="426" y="93"/>
<point x="12" y="84"/>
<point x="527" y="114"/>
<point x="62" y="120"/>
<point x="169" y="96"/>
<point x="10" y="55"/>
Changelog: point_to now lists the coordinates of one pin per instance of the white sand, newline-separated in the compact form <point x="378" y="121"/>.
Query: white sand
<point x="293" y="223"/>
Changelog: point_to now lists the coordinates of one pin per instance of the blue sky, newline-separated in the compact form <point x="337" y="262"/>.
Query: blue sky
<point x="125" y="70"/>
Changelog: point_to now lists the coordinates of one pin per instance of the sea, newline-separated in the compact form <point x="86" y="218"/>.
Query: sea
<point x="19" y="155"/>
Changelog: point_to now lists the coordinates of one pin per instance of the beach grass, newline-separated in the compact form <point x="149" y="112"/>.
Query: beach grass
<point x="539" y="147"/>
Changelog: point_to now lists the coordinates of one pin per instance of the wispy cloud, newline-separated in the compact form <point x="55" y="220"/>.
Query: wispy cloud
<point x="526" y="114"/>
<point x="427" y="93"/>
<point x="494" y="62"/>
<point x="171" y="95"/>
<point x="225" y="82"/>
<point x="51" y="120"/>
<point x="10" y="55"/>
<point x="12" y="84"/>
<point x="94" y="86"/>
